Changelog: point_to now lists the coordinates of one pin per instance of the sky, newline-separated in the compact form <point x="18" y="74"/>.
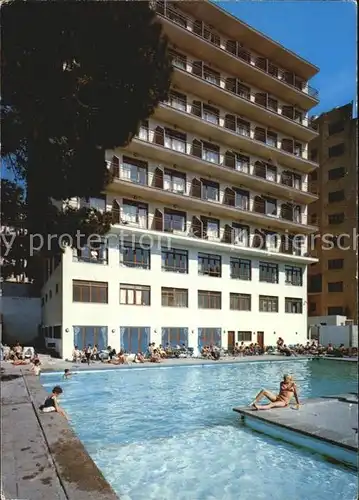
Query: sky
<point x="323" y="32"/>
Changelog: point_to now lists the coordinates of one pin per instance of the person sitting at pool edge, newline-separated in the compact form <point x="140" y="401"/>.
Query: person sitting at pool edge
<point x="51" y="403"/>
<point x="287" y="390"/>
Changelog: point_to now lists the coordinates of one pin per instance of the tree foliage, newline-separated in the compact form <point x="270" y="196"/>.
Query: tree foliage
<point x="77" y="79"/>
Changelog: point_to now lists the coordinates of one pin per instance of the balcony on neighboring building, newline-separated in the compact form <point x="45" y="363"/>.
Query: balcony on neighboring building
<point x="228" y="129"/>
<point x="196" y="37"/>
<point x="200" y="194"/>
<point x="199" y="78"/>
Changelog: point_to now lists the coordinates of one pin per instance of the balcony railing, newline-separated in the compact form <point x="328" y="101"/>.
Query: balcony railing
<point x="197" y="228"/>
<point x="230" y="159"/>
<point x="235" y="87"/>
<point x="235" y="124"/>
<point x="234" y="48"/>
<point x="210" y="192"/>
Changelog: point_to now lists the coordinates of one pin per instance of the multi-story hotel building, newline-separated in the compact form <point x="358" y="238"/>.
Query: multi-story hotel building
<point x="207" y="201"/>
<point x="333" y="280"/>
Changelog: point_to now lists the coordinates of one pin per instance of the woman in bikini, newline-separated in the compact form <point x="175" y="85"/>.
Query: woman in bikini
<point x="287" y="390"/>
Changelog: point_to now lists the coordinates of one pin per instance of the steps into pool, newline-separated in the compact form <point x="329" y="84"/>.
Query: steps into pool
<point x="326" y="425"/>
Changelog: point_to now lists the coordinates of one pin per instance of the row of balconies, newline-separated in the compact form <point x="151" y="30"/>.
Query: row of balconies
<point x="138" y="171"/>
<point x="248" y="100"/>
<point x="175" y="182"/>
<point x="136" y="215"/>
<point x="162" y="136"/>
<point x="236" y="124"/>
<point x="233" y="47"/>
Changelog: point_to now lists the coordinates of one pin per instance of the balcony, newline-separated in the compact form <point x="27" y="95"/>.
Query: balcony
<point x="202" y="41"/>
<point x="202" y="232"/>
<point x="236" y="133"/>
<point x="202" y="195"/>
<point x="233" y="167"/>
<point x="197" y="78"/>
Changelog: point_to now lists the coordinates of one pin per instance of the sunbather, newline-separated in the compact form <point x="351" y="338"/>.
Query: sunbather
<point x="286" y="391"/>
<point x="155" y="357"/>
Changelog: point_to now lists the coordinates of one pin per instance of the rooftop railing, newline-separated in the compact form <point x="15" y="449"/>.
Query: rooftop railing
<point x="233" y="47"/>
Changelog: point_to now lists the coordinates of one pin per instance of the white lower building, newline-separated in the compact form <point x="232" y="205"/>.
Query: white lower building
<point x="181" y="290"/>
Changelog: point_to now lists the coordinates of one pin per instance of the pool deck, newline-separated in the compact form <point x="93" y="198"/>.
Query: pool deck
<point x="42" y="458"/>
<point x="332" y="420"/>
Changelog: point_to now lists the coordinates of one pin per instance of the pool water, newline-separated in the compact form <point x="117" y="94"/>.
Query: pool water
<point x="170" y="433"/>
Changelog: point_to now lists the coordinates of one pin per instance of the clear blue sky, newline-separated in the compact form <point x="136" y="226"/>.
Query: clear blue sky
<point x="323" y="32"/>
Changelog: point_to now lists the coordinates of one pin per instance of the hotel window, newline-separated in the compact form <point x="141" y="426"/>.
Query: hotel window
<point x="94" y="253"/>
<point x="268" y="303"/>
<point x="210" y="190"/>
<point x="313" y="155"/>
<point x="237" y="161"/>
<point x="211" y="76"/>
<point x="174" y="220"/>
<point x="293" y="276"/>
<point x="134" y="213"/>
<point x="210" y="228"/>
<point x="209" y="265"/>
<point x="335" y="263"/>
<point x="135" y="255"/>
<point x="336" y="150"/>
<point x="241" y="199"/>
<point x="90" y="291"/>
<point x="240" y="234"/>
<point x="298" y="149"/>
<point x="135" y="295"/>
<point x="209" y="300"/>
<point x="244" y="336"/>
<point x="210" y="114"/>
<point x="268" y="273"/>
<point x="175" y="140"/>
<point x="336" y="173"/>
<point x="174" y="181"/>
<point x="336" y="218"/>
<point x="243" y="127"/>
<point x="272" y="139"/>
<point x="179" y="60"/>
<point x="335" y="287"/>
<point x="210" y="152"/>
<point x="291" y="179"/>
<point x="134" y="170"/>
<point x="336" y="127"/>
<point x="177" y="100"/>
<point x="239" y="302"/>
<point x="97" y="203"/>
<point x="336" y="196"/>
<point x="174" y="297"/>
<point x="241" y="269"/>
<point x="174" y="260"/>
<point x="294" y="306"/>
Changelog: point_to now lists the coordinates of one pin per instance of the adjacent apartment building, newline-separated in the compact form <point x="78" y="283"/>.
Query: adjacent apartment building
<point x="209" y="203"/>
<point x="333" y="280"/>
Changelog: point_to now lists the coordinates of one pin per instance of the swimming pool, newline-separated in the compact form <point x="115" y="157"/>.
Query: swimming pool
<point x="170" y="433"/>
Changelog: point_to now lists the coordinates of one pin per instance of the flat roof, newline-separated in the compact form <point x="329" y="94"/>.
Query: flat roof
<point x="213" y="14"/>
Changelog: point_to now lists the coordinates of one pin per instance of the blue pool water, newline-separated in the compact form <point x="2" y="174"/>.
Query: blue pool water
<point x="170" y="433"/>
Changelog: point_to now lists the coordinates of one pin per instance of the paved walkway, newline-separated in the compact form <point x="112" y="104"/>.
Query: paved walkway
<point x="42" y="459"/>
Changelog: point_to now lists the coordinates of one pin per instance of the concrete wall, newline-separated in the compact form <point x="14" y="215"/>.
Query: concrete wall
<point x="336" y="335"/>
<point x="327" y="320"/>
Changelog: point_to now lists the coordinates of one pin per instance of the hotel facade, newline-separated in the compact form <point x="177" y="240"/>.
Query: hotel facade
<point x="209" y="204"/>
